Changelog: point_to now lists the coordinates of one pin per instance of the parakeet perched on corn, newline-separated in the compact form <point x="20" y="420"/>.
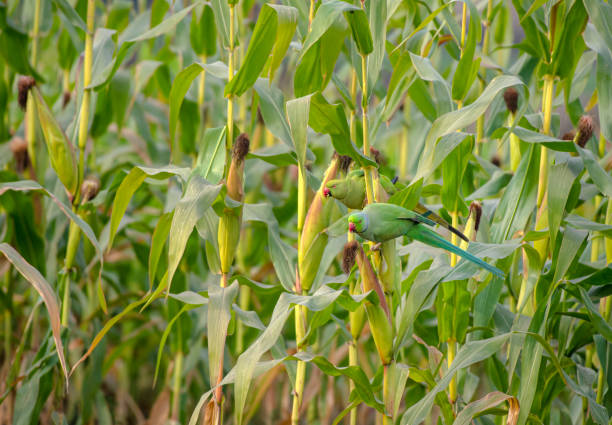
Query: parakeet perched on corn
<point x="351" y="192"/>
<point x="380" y="222"/>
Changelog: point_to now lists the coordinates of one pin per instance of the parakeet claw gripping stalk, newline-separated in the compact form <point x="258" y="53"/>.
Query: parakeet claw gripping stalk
<point x="381" y="222"/>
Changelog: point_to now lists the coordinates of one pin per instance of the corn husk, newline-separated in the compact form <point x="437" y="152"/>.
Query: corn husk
<point x="61" y="150"/>
<point x="321" y="213"/>
<point x="377" y="313"/>
<point x="231" y="220"/>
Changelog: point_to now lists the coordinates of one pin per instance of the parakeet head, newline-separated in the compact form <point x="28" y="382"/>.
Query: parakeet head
<point x="358" y="222"/>
<point x="336" y="188"/>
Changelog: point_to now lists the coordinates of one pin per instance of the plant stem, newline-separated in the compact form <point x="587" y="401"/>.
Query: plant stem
<point x="547" y="99"/>
<point x="300" y="331"/>
<point x="463" y="25"/>
<point x="84" y="117"/>
<point x="452" y="389"/>
<point x="366" y="142"/>
<point x="30" y="124"/>
<point x="245" y="297"/>
<point x="311" y="14"/>
<point x="71" y="249"/>
<point x="73" y="230"/>
<point x="30" y="135"/>
<point x="35" y="33"/>
<point x="387" y="417"/>
<point x="201" y="87"/>
<point x="485" y="52"/>
<point x="352" y="122"/>
<point x="176" y="386"/>
<point x="515" y="149"/>
<point x="230" y="101"/>
<point x="353" y="361"/>
<point x="8" y="328"/>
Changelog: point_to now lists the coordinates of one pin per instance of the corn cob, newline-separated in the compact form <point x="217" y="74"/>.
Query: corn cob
<point x="378" y="314"/>
<point x="230" y="222"/>
<point x="313" y="241"/>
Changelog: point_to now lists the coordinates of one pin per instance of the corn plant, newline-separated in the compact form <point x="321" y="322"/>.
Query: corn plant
<point x="306" y="212"/>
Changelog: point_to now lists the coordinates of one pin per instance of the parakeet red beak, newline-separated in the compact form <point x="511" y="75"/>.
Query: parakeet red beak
<point x="352" y="227"/>
<point x="326" y="192"/>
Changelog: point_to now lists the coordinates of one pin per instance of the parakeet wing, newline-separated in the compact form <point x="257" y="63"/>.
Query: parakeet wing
<point x="422" y="209"/>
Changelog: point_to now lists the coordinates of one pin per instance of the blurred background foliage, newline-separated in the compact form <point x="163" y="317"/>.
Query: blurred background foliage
<point x="147" y="256"/>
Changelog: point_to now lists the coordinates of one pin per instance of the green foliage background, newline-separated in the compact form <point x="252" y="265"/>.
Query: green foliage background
<point x="115" y="306"/>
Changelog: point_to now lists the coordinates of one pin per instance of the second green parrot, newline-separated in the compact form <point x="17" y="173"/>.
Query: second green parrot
<point x="380" y="222"/>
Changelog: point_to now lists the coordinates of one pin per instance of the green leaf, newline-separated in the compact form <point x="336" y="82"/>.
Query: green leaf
<point x="30" y="185"/>
<point x="470" y="353"/>
<point x="165" y="26"/>
<point x="360" y="30"/>
<point x="70" y="14"/>
<point x="427" y="72"/>
<point x="211" y="154"/>
<point x="409" y="196"/>
<point x="247" y="362"/>
<point x="325" y="17"/>
<point x="272" y="104"/>
<point x="453" y="310"/>
<point x="600" y="177"/>
<point x="453" y="167"/>
<point x="473" y="409"/>
<point x="316" y="66"/>
<point x="599" y="323"/>
<point x="14" y="50"/>
<point x="45" y="291"/>
<point x="569" y="48"/>
<point x="283" y="257"/>
<point x="219" y="314"/>
<point x="221" y="12"/>
<point x="164" y="337"/>
<point x="519" y="198"/>
<point x="158" y="241"/>
<point x="423" y="286"/>
<point x="198" y="197"/>
<point x="203" y="32"/>
<point x="107" y="327"/>
<point x="534" y="6"/>
<point x="331" y="119"/>
<point x="378" y="24"/>
<point x="563" y="178"/>
<point x="468" y="66"/>
<point x="130" y="184"/>
<point x="61" y="150"/>
<point x="272" y="34"/>
<point x="455" y="120"/>
<point x="297" y="115"/>
<point x="180" y="85"/>
<point x="550" y="142"/>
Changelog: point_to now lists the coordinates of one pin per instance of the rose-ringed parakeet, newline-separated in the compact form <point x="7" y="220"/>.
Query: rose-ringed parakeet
<point x="351" y="192"/>
<point x="380" y="222"/>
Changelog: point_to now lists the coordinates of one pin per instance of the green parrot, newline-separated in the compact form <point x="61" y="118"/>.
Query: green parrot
<point x="380" y="222"/>
<point x="351" y="192"/>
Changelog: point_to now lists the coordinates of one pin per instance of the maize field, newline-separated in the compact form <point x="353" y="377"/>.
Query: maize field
<point x="230" y="212"/>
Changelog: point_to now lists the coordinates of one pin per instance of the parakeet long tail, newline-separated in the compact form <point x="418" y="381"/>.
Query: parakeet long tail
<point x="422" y="209"/>
<point x="429" y="237"/>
